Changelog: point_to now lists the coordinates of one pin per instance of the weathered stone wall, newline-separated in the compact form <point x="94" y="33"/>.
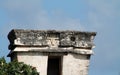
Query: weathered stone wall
<point x="51" y="38"/>
<point x="71" y="64"/>
<point x="34" y="59"/>
<point x="35" y="46"/>
<point x="75" y="64"/>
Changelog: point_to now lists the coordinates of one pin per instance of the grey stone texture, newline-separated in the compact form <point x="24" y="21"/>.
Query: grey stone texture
<point x="35" y="46"/>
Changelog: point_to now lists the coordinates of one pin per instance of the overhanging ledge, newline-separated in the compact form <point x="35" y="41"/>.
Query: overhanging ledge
<point x="50" y="38"/>
<point x="48" y="50"/>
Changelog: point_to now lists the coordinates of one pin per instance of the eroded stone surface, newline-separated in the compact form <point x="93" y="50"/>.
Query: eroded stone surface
<point x="52" y="38"/>
<point x="34" y="47"/>
<point x="75" y="65"/>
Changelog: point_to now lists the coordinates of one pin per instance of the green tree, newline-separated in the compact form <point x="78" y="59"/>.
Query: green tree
<point x="16" y="68"/>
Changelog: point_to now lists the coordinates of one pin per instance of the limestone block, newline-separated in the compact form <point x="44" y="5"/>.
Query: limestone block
<point x="75" y="65"/>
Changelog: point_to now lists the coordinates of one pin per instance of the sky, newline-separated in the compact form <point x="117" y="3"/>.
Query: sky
<point x="101" y="16"/>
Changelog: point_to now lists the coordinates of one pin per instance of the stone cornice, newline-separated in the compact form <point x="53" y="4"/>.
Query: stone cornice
<point x="51" y="38"/>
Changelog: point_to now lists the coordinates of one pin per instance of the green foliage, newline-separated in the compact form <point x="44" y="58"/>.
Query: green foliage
<point x="16" y="68"/>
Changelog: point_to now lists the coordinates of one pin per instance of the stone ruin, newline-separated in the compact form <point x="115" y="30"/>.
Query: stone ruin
<point x="53" y="52"/>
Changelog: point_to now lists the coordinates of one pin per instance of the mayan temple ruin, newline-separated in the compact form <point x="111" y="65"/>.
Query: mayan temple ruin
<point x="53" y="52"/>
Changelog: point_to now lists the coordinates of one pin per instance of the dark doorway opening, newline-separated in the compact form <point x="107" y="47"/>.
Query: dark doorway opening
<point x="54" y="66"/>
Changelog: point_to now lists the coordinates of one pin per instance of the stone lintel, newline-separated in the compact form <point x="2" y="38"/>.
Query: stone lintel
<point x="32" y="53"/>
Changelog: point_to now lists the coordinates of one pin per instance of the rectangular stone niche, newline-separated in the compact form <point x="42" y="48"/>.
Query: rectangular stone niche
<point x="54" y="65"/>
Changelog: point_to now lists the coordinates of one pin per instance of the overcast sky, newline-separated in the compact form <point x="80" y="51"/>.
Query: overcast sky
<point x="101" y="16"/>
